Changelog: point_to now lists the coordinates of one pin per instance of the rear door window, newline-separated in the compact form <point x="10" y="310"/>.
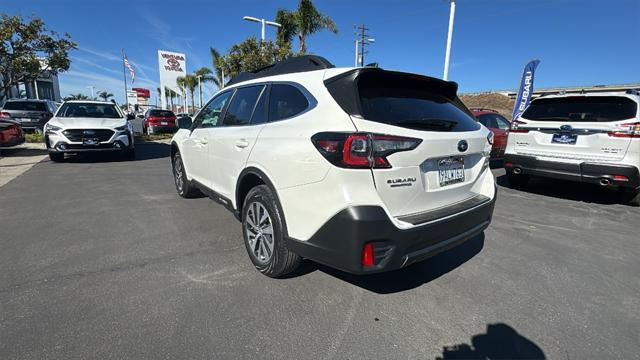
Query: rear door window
<point x="242" y="105"/>
<point x="286" y="101"/>
<point x="582" y="109"/>
<point x="25" y="105"/>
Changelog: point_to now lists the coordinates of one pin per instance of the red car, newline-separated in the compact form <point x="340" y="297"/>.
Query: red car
<point x="10" y="133"/>
<point x="156" y="120"/>
<point x="498" y="125"/>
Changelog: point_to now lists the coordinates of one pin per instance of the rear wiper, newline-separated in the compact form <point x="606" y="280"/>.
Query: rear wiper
<point x="428" y="123"/>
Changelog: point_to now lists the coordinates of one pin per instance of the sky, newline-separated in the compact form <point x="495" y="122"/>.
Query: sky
<point x="579" y="42"/>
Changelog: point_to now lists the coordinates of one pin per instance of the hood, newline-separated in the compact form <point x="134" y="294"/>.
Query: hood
<point x="87" y="123"/>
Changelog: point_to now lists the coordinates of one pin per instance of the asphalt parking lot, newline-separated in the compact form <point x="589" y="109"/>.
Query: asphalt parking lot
<point x="99" y="258"/>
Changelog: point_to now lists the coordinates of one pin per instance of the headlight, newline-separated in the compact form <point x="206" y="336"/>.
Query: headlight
<point x="49" y="127"/>
<point x="122" y="128"/>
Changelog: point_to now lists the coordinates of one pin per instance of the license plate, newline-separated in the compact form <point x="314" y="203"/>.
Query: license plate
<point x="164" y="123"/>
<point x="90" y="142"/>
<point x="451" y="170"/>
<point x="567" y="139"/>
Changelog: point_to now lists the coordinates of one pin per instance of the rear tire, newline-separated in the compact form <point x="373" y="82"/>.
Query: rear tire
<point x="264" y="234"/>
<point x="517" y="181"/>
<point x="56" y="157"/>
<point x="184" y="187"/>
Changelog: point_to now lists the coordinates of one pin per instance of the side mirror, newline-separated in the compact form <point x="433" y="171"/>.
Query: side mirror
<point x="140" y="116"/>
<point x="184" y="122"/>
<point x="130" y="117"/>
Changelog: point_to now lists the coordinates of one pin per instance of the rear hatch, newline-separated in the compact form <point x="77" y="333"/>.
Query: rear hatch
<point x="27" y="112"/>
<point x="452" y="147"/>
<point x="577" y="128"/>
<point x="162" y="118"/>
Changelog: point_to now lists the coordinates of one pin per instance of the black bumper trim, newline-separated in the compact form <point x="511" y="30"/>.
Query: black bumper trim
<point x="424" y="217"/>
<point x="583" y="172"/>
<point x="339" y="242"/>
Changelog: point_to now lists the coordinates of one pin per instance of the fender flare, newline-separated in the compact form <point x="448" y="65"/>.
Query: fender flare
<point x="265" y="179"/>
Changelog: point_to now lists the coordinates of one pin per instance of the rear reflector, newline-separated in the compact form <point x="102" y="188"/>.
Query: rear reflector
<point x="367" y="255"/>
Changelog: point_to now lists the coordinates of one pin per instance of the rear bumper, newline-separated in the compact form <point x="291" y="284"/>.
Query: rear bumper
<point x="583" y="172"/>
<point x="340" y="241"/>
<point x="167" y="128"/>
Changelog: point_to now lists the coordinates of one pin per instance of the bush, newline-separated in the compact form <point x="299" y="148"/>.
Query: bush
<point x="34" y="137"/>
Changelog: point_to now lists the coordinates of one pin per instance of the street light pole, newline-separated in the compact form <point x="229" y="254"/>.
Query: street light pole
<point x="447" y="55"/>
<point x="91" y="87"/>
<point x="263" y="24"/>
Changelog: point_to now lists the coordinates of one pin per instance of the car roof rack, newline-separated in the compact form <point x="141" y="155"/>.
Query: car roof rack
<point x="292" y="65"/>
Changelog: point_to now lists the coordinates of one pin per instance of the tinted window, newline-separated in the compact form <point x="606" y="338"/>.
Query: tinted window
<point x="25" y="105"/>
<point x="88" y="110"/>
<point x="285" y="101"/>
<point x="494" y="121"/>
<point x="241" y="106"/>
<point x="260" y="112"/>
<point x="161" y="113"/>
<point x="582" y="108"/>
<point x="209" y="116"/>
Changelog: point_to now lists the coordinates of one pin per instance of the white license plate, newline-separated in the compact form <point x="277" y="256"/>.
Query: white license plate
<point x="164" y="123"/>
<point x="451" y="170"/>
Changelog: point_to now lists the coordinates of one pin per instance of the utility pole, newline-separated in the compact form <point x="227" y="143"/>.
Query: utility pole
<point x="362" y="39"/>
<point x="124" y="75"/>
<point x="447" y="55"/>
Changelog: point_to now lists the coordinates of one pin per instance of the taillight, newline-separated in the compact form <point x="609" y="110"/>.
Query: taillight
<point x="5" y="115"/>
<point x="628" y="130"/>
<point x="361" y="150"/>
<point x="515" y="127"/>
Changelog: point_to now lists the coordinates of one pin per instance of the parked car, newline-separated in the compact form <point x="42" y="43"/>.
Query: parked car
<point x="498" y="125"/>
<point x="361" y="169"/>
<point x="592" y="137"/>
<point x="156" y="120"/>
<point x="88" y="126"/>
<point x="31" y="114"/>
<point x="10" y="133"/>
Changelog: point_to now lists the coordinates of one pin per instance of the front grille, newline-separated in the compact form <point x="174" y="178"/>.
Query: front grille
<point x="77" y="135"/>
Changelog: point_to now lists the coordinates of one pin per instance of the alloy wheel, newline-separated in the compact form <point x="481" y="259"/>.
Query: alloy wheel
<point x="259" y="232"/>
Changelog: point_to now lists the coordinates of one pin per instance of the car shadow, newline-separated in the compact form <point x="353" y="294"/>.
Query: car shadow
<point x="568" y="190"/>
<point x="404" y="279"/>
<point x="500" y="341"/>
<point x="144" y="151"/>
<point x="17" y="151"/>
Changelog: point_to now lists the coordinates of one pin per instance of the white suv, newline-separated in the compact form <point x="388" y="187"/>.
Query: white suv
<point x="88" y="126"/>
<point x="361" y="169"/>
<point x="592" y="137"/>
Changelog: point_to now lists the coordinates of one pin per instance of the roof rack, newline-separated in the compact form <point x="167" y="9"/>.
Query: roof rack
<point x="287" y="66"/>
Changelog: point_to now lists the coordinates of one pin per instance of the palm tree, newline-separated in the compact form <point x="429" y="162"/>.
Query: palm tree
<point x="217" y="61"/>
<point x="169" y="95"/>
<point x="181" y="82"/>
<point x="105" y="95"/>
<point x="77" y="96"/>
<point x="304" y="21"/>
<point x="205" y="75"/>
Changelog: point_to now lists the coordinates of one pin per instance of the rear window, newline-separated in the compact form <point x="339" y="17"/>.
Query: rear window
<point x="25" y="105"/>
<point x="582" y="108"/>
<point x="88" y="110"/>
<point x="402" y="99"/>
<point x="161" y="113"/>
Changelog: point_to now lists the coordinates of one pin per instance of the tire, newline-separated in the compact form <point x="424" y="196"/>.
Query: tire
<point x="56" y="157"/>
<point x="265" y="240"/>
<point x="184" y="187"/>
<point x="517" y="181"/>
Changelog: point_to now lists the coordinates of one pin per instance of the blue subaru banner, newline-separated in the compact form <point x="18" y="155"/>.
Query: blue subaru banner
<point x="526" y="89"/>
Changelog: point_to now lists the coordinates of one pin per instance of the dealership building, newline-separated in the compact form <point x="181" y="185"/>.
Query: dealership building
<point x="45" y="87"/>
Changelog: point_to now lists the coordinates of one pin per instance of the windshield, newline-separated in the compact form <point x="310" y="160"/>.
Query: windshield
<point x="89" y="110"/>
<point x="582" y="108"/>
<point x="25" y="105"/>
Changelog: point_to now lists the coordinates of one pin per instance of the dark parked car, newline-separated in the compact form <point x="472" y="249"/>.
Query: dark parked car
<point x="498" y="125"/>
<point x="31" y="114"/>
<point x="10" y="133"/>
<point x="156" y="121"/>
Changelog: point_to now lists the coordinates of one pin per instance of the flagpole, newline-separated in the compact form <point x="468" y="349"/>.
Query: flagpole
<point x="124" y="73"/>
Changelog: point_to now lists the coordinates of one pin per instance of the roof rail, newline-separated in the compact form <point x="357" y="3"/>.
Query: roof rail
<point x="291" y="65"/>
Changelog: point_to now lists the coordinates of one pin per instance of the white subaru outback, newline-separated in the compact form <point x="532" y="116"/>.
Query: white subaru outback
<point x="592" y="137"/>
<point x="361" y="169"/>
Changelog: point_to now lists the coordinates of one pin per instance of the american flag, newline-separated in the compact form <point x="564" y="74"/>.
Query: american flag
<point x="128" y="65"/>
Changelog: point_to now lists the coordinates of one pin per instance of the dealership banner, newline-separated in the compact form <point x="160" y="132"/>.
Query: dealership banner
<point x="172" y="65"/>
<point x="526" y="89"/>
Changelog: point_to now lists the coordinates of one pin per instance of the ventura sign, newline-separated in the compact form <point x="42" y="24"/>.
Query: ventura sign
<point x="171" y="65"/>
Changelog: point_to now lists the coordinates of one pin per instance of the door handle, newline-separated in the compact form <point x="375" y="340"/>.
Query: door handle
<point x="204" y="140"/>
<point x="242" y="143"/>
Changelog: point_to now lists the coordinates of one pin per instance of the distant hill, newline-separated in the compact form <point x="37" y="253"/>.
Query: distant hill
<point x="500" y="103"/>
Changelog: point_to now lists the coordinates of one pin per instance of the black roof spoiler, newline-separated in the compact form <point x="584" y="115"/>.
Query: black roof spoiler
<point x="292" y="65"/>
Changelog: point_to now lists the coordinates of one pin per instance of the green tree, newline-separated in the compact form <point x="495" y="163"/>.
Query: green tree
<point x="250" y="56"/>
<point x="217" y="61"/>
<point x="105" y="95"/>
<point x="304" y="21"/>
<point x="205" y="75"/>
<point x="77" y="96"/>
<point x="28" y="49"/>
